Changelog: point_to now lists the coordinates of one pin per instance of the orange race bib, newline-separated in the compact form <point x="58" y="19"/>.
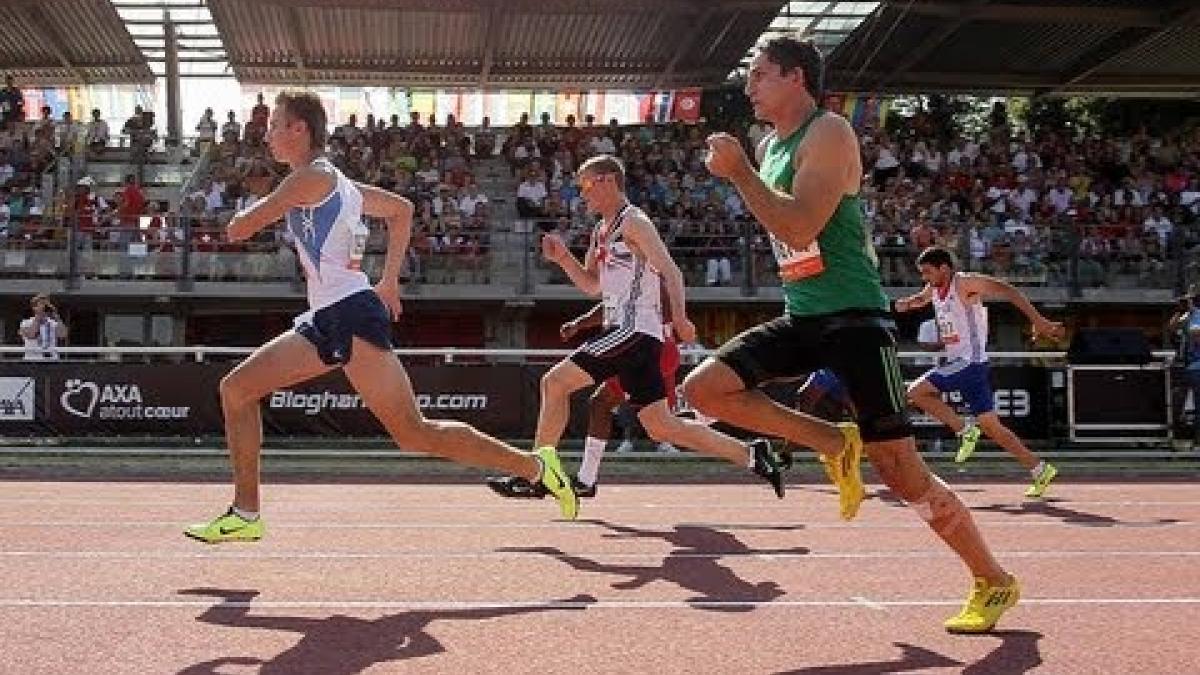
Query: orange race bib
<point x="797" y="265"/>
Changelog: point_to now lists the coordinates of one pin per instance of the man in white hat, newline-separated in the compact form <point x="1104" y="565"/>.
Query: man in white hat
<point x="86" y="206"/>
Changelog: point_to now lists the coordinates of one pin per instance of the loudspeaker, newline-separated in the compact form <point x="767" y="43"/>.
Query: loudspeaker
<point x="1109" y="345"/>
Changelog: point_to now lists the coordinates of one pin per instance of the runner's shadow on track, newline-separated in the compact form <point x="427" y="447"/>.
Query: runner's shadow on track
<point x="340" y="644"/>
<point x="912" y="658"/>
<point x="693" y="565"/>
<point x="1052" y="508"/>
<point x="1017" y="653"/>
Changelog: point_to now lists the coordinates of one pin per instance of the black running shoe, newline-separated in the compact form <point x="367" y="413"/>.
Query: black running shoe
<point x="766" y="464"/>
<point x="581" y="490"/>
<point x="516" y="487"/>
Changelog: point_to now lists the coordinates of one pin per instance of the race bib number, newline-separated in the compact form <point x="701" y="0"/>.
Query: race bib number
<point x="946" y="330"/>
<point x="796" y="265"/>
<point x="358" y="248"/>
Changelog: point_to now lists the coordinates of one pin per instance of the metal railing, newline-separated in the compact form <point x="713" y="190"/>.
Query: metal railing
<point x="185" y="249"/>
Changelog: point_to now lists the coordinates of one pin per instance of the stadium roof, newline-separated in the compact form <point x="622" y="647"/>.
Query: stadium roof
<point x="621" y="44"/>
<point x="53" y="42"/>
<point x="1023" y="46"/>
<point x="902" y="46"/>
<point x="827" y="23"/>
<point x="200" y="50"/>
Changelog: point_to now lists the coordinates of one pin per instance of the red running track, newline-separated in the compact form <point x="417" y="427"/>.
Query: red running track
<point x="676" y="578"/>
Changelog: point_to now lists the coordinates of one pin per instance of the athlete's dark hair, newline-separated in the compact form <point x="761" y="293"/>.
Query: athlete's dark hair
<point x="605" y="165"/>
<point x="306" y="106"/>
<point x="790" y="53"/>
<point x="937" y="257"/>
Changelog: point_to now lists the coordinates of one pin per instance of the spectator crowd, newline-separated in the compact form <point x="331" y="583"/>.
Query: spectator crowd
<point x="1013" y="204"/>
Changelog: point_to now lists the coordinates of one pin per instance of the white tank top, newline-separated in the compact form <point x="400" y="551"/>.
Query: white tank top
<point x="330" y="238"/>
<point x="962" y="326"/>
<point x="629" y="287"/>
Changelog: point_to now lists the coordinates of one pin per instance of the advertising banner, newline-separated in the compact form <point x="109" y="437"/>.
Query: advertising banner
<point x="494" y="399"/>
<point x="117" y="399"/>
<point x="82" y="399"/>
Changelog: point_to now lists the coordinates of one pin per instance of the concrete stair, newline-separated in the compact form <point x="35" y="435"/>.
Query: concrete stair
<point x="508" y="241"/>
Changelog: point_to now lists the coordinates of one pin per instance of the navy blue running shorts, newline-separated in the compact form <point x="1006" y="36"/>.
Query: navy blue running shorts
<point x="332" y="329"/>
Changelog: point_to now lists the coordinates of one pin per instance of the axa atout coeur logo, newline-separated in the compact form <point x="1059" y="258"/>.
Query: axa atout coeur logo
<point x="114" y="401"/>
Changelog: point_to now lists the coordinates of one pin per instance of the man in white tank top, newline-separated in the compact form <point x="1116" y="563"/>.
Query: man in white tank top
<point x="348" y="325"/>
<point x="602" y="407"/>
<point x="626" y="265"/>
<point x="957" y="299"/>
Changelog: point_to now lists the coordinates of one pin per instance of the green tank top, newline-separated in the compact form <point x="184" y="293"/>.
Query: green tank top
<point x="839" y="271"/>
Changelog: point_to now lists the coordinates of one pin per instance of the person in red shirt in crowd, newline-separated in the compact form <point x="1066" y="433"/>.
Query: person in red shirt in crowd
<point x="85" y="207"/>
<point x="1176" y="180"/>
<point x="131" y="203"/>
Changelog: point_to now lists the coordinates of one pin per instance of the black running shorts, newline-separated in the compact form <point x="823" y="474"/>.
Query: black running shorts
<point x="858" y="346"/>
<point x="632" y="357"/>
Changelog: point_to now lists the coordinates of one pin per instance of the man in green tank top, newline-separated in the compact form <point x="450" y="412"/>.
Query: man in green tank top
<point x="836" y="316"/>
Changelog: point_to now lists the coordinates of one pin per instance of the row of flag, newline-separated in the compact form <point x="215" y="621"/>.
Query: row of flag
<point x="503" y="108"/>
<point x="862" y="110"/>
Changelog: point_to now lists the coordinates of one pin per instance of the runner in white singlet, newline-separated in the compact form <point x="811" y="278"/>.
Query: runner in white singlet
<point x="348" y="325"/>
<point x="957" y="300"/>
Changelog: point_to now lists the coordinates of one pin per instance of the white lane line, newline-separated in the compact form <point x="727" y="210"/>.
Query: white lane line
<point x="107" y="525"/>
<point x="594" y="555"/>
<point x="218" y="603"/>
<point x="324" y="506"/>
<point x="868" y="603"/>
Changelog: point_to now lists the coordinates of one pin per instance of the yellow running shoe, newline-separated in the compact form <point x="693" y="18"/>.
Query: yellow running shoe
<point x="984" y="606"/>
<point x="1041" y="481"/>
<point x="556" y="481"/>
<point x="227" y="527"/>
<point x="967" y="440"/>
<point x="845" y="471"/>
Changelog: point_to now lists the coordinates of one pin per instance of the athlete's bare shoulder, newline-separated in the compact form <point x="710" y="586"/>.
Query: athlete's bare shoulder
<point x="831" y="129"/>
<point x="640" y="216"/>
<point x="831" y="142"/>
<point x="304" y="186"/>
<point x="971" y="284"/>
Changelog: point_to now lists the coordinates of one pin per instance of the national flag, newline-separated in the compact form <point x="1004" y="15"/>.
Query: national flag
<point x="687" y="105"/>
<point x="646" y="103"/>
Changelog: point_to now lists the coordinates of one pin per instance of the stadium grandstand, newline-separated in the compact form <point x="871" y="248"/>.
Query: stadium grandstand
<point x="1053" y="146"/>
<point x="1062" y="156"/>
